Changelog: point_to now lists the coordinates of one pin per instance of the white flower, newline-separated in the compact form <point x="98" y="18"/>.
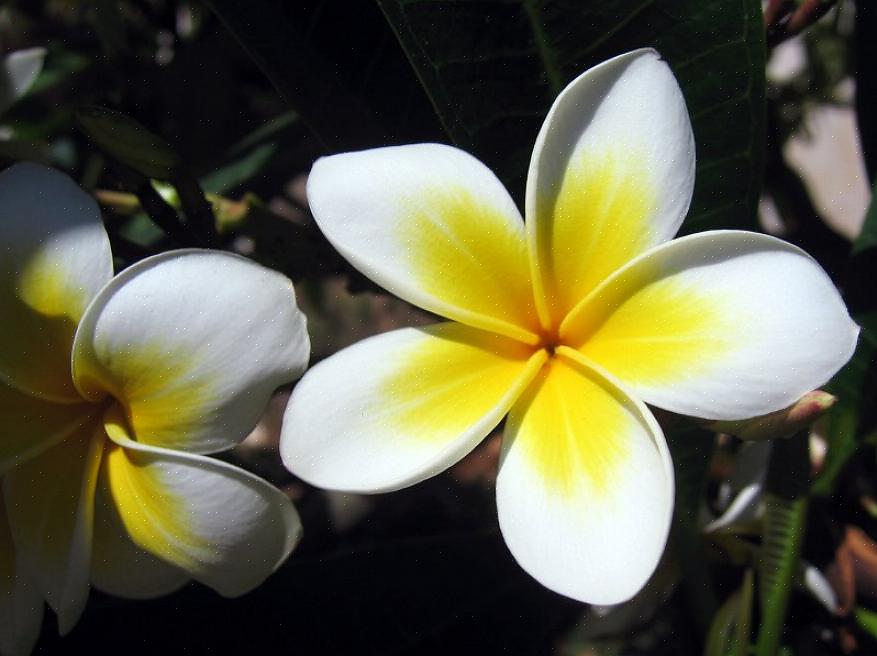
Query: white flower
<point x="112" y="390"/>
<point x="568" y="323"/>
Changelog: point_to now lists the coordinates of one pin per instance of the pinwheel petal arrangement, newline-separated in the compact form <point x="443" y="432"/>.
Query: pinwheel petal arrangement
<point x="567" y="324"/>
<point x="113" y="390"/>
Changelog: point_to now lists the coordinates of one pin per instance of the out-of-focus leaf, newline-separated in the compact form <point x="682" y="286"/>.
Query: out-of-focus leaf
<point x="239" y="171"/>
<point x="338" y="65"/>
<point x="692" y="448"/>
<point x="850" y="420"/>
<point x="59" y="66"/>
<point x="18" y="72"/>
<point x="729" y="632"/>
<point x="493" y="69"/>
<point x="784" y="522"/>
<point x="866" y="81"/>
<point x="867" y="238"/>
<point x="867" y="620"/>
<point x="264" y="132"/>
<point x="855" y="416"/>
<point x="129" y="142"/>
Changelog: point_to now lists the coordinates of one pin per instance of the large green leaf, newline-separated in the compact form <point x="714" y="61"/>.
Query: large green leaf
<point x="338" y="65"/>
<point x="855" y="417"/>
<point x="492" y="70"/>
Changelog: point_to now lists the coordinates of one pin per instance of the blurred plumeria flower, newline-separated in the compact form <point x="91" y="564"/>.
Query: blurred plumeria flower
<point x="111" y="392"/>
<point x="568" y="322"/>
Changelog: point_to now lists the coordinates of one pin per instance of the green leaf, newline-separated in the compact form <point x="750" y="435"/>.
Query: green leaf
<point x="338" y="65"/>
<point x="18" y="72"/>
<point x="729" y="632"/>
<point x="866" y="619"/>
<point x="692" y="448"/>
<point x="851" y="420"/>
<point x="854" y="417"/>
<point x="785" y="520"/>
<point x="129" y="142"/>
<point x="492" y="70"/>
<point x="868" y="236"/>
<point x="239" y="171"/>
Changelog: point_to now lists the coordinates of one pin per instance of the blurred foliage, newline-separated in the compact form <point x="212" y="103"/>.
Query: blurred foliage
<point x="195" y="123"/>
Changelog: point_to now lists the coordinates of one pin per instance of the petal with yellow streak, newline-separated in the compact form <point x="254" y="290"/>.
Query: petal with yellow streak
<point x="118" y="566"/>
<point x="720" y="325"/>
<point x="50" y="504"/>
<point x="54" y="257"/>
<point x="223" y="526"/>
<point x="192" y="343"/>
<point x="611" y="175"/>
<point x="434" y="226"/>
<point x="397" y="408"/>
<point x="585" y="484"/>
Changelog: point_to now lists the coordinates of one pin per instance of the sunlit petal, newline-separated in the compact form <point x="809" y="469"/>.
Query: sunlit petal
<point x="400" y="407"/>
<point x="611" y="175"/>
<point x="220" y="524"/>
<point x="193" y="343"/>
<point x="585" y="486"/>
<point x="118" y="566"/>
<point x="434" y="226"/>
<point x="721" y="325"/>
<point x="54" y="257"/>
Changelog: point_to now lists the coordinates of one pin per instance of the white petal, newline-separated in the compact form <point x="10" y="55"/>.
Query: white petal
<point x="400" y="407"/>
<point x="21" y="607"/>
<point x="121" y="568"/>
<point x="611" y="175"/>
<point x="434" y="226"/>
<point x="50" y="504"/>
<point x="720" y="325"/>
<point x="54" y="257"/>
<point x="585" y="485"/>
<point x="193" y="343"/>
<point x="222" y="525"/>
<point x="19" y="70"/>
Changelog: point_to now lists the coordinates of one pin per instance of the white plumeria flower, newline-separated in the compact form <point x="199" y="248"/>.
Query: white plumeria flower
<point x="568" y="322"/>
<point x="111" y="392"/>
<point x="21" y="606"/>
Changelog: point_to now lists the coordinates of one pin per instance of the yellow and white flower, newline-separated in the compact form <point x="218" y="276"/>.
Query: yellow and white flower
<point x="569" y="323"/>
<point x="112" y="390"/>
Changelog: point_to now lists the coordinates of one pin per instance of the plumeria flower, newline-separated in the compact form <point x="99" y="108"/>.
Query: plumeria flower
<point x="111" y="392"/>
<point x="568" y="323"/>
<point x="21" y="607"/>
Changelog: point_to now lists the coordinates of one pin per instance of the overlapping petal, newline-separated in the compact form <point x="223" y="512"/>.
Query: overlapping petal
<point x="720" y="325"/>
<point x="29" y="425"/>
<point x="21" y="607"/>
<point x="222" y="525"/>
<point x="193" y="343"/>
<point x="118" y="566"/>
<point x="585" y="485"/>
<point x="400" y="407"/>
<point x="54" y="257"/>
<point x="434" y="226"/>
<point x="611" y="175"/>
<point x="50" y="504"/>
